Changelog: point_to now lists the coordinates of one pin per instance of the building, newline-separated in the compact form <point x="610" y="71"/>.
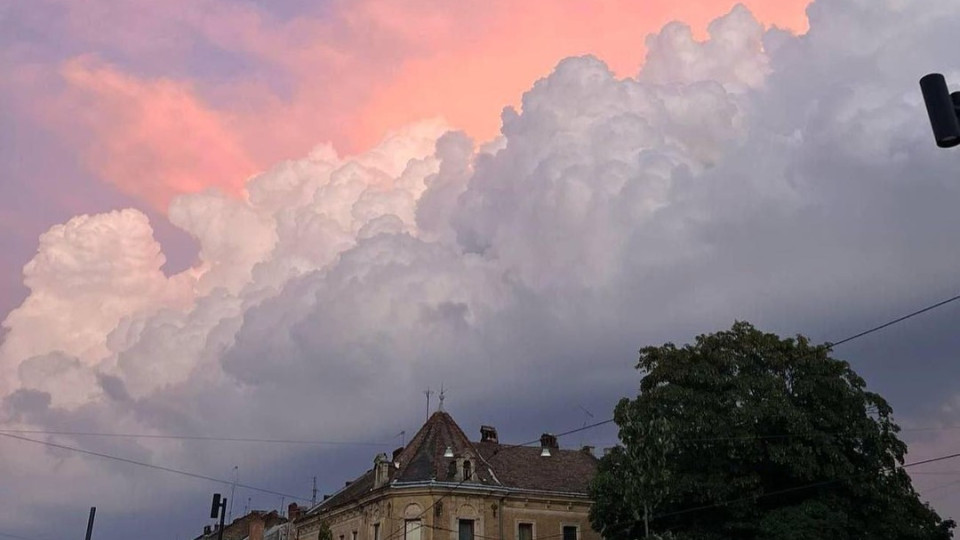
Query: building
<point x="442" y="486"/>
<point x="256" y="525"/>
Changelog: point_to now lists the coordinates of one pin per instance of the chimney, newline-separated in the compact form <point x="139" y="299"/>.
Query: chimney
<point x="256" y="527"/>
<point x="381" y="470"/>
<point x="396" y="454"/>
<point x="207" y="530"/>
<point x="488" y="434"/>
<point x="549" y="440"/>
<point x="293" y="511"/>
<point x="588" y="450"/>
<point x="326" y="496"/>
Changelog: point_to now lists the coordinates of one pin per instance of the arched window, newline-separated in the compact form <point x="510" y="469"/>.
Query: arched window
<point x="452" y="470"/>
<point x="467" y="470"/>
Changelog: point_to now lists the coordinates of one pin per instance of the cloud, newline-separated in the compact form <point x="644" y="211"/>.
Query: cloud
<point x="757" y="175"/>
<point x="185" y="96"/>
<point x="152" y="139"/>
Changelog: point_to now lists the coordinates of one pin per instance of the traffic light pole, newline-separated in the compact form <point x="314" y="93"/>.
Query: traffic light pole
<point x="218" y="507"/>
<point x="93" y="513"/>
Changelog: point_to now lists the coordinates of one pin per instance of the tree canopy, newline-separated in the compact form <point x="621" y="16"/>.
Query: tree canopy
<point x="746" y="435"/>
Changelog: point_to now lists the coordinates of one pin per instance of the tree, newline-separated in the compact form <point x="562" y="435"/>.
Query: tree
<point x="324" y="532"/>
<point x="746" y="435"/>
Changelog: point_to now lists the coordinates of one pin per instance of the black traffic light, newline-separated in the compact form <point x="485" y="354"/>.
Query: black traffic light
<point x="943" y="108"/>
<point x="215" y="507"/>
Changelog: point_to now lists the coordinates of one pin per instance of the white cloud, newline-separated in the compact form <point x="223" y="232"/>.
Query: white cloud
<point x="758" y="175"/>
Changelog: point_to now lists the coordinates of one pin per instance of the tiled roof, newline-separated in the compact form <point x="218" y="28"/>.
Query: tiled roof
<point x="518" y="467"/>
<point x="357" y="489"/>
<point x="522" y="467"/>
<point x="422" y="460"/>
<point x="240" y="528"/>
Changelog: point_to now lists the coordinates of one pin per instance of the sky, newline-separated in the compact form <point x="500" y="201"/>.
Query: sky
<point x="285" y="220"/>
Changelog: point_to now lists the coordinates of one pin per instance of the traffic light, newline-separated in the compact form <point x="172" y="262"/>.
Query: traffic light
<point x="943" y="109"/>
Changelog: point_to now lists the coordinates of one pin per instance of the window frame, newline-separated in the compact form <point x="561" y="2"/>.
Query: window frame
<point x="574" y="526"/>
<point x="533" y="529"/>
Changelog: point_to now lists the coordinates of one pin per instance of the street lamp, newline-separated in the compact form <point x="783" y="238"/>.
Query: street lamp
<point x="218" y="508"/>
<point x="943" y="109"/>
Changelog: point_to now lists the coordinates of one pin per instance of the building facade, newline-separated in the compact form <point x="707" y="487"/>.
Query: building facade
<point x="442" y="486"/>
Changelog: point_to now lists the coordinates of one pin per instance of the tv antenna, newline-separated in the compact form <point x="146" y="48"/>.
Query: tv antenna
<point x="429" y="393"/>
<point x="587" y="416"/>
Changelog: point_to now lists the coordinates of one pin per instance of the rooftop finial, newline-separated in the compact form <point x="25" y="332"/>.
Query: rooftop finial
<point x="440" y="408"/>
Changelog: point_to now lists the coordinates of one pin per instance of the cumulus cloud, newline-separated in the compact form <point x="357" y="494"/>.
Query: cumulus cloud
<point x="756" y="175"/>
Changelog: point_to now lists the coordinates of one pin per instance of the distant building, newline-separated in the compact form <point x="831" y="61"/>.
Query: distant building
<point x="441" y="486"/>
<point x="257" y="525"/>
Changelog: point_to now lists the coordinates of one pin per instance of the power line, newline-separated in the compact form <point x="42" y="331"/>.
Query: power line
<point x="15" y="537"/>
<point x="151" y="466"/>
<point x="796" y="488"/>
<point x="895" y="321"/>
<point x="189" y="437"/>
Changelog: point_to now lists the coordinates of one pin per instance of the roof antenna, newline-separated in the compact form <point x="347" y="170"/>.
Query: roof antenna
<point x="428" y="393"/>
<point x="233" y="490"/>
<point x="440" y="408"/>
<point x="586" y="416"/>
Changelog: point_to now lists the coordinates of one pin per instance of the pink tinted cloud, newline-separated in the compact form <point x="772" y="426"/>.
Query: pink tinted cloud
<point x="362" y="69"/>
<point x="152" y="139"/>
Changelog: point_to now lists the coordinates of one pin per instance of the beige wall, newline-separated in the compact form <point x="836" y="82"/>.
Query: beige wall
<point x="548" y="515"/>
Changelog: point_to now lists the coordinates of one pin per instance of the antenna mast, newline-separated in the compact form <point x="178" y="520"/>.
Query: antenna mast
<point x="428" y="393"/>
<point x="233" y="491"/>
<point x="586" y="416"/>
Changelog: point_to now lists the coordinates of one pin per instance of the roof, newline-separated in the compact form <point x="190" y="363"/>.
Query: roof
<point x="495" y="465"/>
<point x="522" y="467"/>
<point x="239" y="528"/>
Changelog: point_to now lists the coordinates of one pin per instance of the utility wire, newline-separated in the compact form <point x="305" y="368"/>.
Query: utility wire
<point x="895" y="321"/>
<point x="15" y="537"/>
<point x="795" y="488"/>
<point x="188" y="437"/>
<point x="12" y="434"/>
<point x="151" y="466"/>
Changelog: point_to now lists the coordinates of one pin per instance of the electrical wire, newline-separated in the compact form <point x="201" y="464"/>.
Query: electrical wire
<point x="12" y="434"/>
<point x="896" y="321"/>
<point x="796" y="488"/>
<point x="189" y="437"/>
<point x="15" y="537"/>
<point x="152" y="466"/>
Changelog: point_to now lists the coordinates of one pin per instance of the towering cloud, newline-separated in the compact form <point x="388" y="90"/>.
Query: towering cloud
<point x="755" y="175"/>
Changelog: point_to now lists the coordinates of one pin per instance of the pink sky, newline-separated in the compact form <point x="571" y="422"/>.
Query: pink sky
<point x="347" y="75"/>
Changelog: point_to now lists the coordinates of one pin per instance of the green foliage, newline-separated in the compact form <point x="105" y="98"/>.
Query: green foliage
<point x="746" y="435"/>
<point x="324" y="533"/>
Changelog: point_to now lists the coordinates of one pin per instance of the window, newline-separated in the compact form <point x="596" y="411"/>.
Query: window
<point x="570" y="532"/>
<point x="376" y="531"/>
<point x="452" y="470"/>
<point x="525" y="531"/>
<point x="467" y="470"/>
<point x="411" y="529"/>
<point x="466" y="529"/>
<point x="353" y="536"/>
